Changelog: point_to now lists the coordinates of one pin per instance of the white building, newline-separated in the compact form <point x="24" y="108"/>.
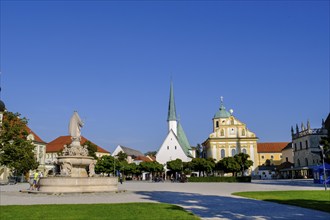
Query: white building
<point x="176" y="145"/>
<point x="131" y="153"/>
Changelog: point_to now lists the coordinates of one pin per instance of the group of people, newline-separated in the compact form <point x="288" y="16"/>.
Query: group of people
<point x="36" y="181"/>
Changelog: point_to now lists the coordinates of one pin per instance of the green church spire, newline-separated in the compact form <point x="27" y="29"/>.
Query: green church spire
<point x="171" y="106"/>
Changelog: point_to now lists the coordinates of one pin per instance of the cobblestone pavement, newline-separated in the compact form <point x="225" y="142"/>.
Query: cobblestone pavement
<point x="207" y="200"/>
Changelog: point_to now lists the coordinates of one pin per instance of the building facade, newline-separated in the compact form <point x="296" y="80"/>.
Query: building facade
<point x="270" y="153"/>
<point x="230" y="137"/>
<point x="131" y="153"/>
<point x="304" y="142"/>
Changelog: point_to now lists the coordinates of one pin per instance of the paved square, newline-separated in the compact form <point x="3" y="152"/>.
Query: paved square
<point x="207" y="200"/>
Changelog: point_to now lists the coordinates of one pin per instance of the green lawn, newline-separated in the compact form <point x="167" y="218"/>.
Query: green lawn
<point x="96" y="211"/>
<point x="312" y="199"/>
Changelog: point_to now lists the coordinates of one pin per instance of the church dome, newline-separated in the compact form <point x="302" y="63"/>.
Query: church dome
<point x="222" y="113"/>
<point x="2" y="106"/>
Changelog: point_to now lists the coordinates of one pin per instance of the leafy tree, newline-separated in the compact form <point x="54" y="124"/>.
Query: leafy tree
<point x="92" y="149"/>
<point x="151" y="167"/>
<point x="106" y="165"/>
<point x="243" y="160"/>
<point x="200" y="165"/>
<point x="16" y="152"/>
<point x="325" y="141"/>
<point x="229" y="165"/>
<point x="175" y="165"/>
<point x="121" y="156"/>
<point x="151" y="153"/>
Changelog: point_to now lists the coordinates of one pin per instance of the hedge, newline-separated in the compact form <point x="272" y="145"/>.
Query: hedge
<point x="228" y="179"/>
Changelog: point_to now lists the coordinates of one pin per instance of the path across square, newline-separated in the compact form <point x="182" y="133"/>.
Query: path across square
<point x="207" y="200"/>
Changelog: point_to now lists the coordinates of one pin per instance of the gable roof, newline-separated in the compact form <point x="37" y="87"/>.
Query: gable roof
<point x="271" y="147"/>
<point x="131" y="152"/>
<point x="36" y="137"/>
<point x="58" y="144"/>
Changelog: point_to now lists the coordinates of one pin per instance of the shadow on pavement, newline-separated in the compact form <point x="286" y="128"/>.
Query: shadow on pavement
<point x="220" y="207"/>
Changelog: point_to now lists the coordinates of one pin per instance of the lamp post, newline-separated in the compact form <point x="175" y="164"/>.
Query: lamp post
<point x="324" y="173"/>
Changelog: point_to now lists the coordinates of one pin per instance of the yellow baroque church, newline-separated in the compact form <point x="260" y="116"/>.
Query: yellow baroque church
<point x="230" y="137"/>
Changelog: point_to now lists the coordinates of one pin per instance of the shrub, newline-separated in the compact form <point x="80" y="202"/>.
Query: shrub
<point x="229" y="179"/>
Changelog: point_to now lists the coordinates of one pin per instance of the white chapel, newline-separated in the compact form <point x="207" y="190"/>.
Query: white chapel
<point x="176" y="145"/>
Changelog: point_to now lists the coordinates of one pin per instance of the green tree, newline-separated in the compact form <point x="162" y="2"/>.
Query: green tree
<point x="200" y="165"/>
<point x="176" y="166"/>
<point x="325" y="141"/>
<point x="229" y="165"/>
<point x="152" y="167"/>
<point x="243" y="160"/>
<point x="92" y="149"/>
<point x="106" y="165"/>
<point x="151" y="153"/>
<point x="16" y="152"/>
<point x="121" y="156"/>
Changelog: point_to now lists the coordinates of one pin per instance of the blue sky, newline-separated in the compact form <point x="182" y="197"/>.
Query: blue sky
<point x="113" y="61"/>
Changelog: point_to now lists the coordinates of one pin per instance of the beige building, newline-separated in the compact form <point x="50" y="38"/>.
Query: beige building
<point x="304" y="142"/>
<point x="270" y="153"/>
<point x="230" y="137"/>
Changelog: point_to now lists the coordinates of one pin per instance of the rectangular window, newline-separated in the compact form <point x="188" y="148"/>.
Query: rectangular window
<point x="300" y="145"/>
<point x="306" y="144"/>
<point x="295" y="146"/>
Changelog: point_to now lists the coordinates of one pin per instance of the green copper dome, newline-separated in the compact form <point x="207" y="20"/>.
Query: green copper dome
<point x="222" y="113"/>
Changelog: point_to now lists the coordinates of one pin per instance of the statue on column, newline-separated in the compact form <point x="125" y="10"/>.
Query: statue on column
<point x="75" y="126"/>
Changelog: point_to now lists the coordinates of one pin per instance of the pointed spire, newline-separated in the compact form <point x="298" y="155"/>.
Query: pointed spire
<point x="171" y="106"/>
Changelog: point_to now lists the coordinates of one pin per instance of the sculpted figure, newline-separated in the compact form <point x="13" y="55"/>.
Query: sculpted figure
<point x="75" y="126"/>
<point x="66" y="169"/>
<point x="92" y="168"/>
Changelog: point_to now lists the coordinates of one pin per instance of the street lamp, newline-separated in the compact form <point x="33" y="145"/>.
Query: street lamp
<point x="324" y="173"/>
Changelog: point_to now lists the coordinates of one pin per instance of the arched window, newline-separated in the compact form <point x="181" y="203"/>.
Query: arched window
<point x="306" y="144"/>
<point x="244" y="151"/>
<point x="223" y="153"/>
<point x="217" y="124"/>
<point x="168" y="147"/>
<point x="306" y="161"/>
<point x="243" y="132"/>
<point x="233" y="152"/>
<point x="222" y="132"/>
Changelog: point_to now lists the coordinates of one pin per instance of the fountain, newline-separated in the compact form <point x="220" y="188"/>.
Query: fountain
<point x="77" y="168"/>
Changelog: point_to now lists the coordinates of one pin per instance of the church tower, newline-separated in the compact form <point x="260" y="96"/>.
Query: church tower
<point x="171" y="117"/>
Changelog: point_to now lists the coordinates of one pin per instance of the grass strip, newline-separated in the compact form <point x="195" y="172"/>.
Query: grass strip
<point x="134" y="211"/>
<point x="312" y="199"/>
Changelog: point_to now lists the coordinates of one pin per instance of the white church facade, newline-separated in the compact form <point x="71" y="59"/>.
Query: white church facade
<point x="176" y="145"/>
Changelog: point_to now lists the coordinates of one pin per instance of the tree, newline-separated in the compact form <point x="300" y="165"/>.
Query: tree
<point x="151" y="153"/>
<point x="175" y="166"/>
<point x="243" y="160"/>
<point x="106" y="165"/>
<point x="92" y="149"/>
<point x="122" y="156"/>
<point x="151" y="167"/>
<point x="16" y="152"/>
<point x="229" y="165"/>
<point x="325" y="141"/>
<point x="200" y="165"/>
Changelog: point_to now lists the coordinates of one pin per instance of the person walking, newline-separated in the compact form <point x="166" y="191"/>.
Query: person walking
<point x="35" y="180"/>
<point x="121" y="178"/>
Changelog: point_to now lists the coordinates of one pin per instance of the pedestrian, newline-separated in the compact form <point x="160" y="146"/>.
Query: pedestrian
<point x="121" y="178"/>
<point x="35" y="180"/>
<point x="40" y="174"/>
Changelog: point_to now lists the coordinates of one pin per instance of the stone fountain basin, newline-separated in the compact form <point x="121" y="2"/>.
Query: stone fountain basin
<point x="78" y="184"/>
<point x="75" y="160"/>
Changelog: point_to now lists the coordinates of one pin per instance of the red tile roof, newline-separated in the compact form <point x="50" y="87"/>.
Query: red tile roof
<point x="58" y="144"/>
<point x="36" y="137"/>
<point x="144" y="158"/>
<point x="272" y="147"/>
